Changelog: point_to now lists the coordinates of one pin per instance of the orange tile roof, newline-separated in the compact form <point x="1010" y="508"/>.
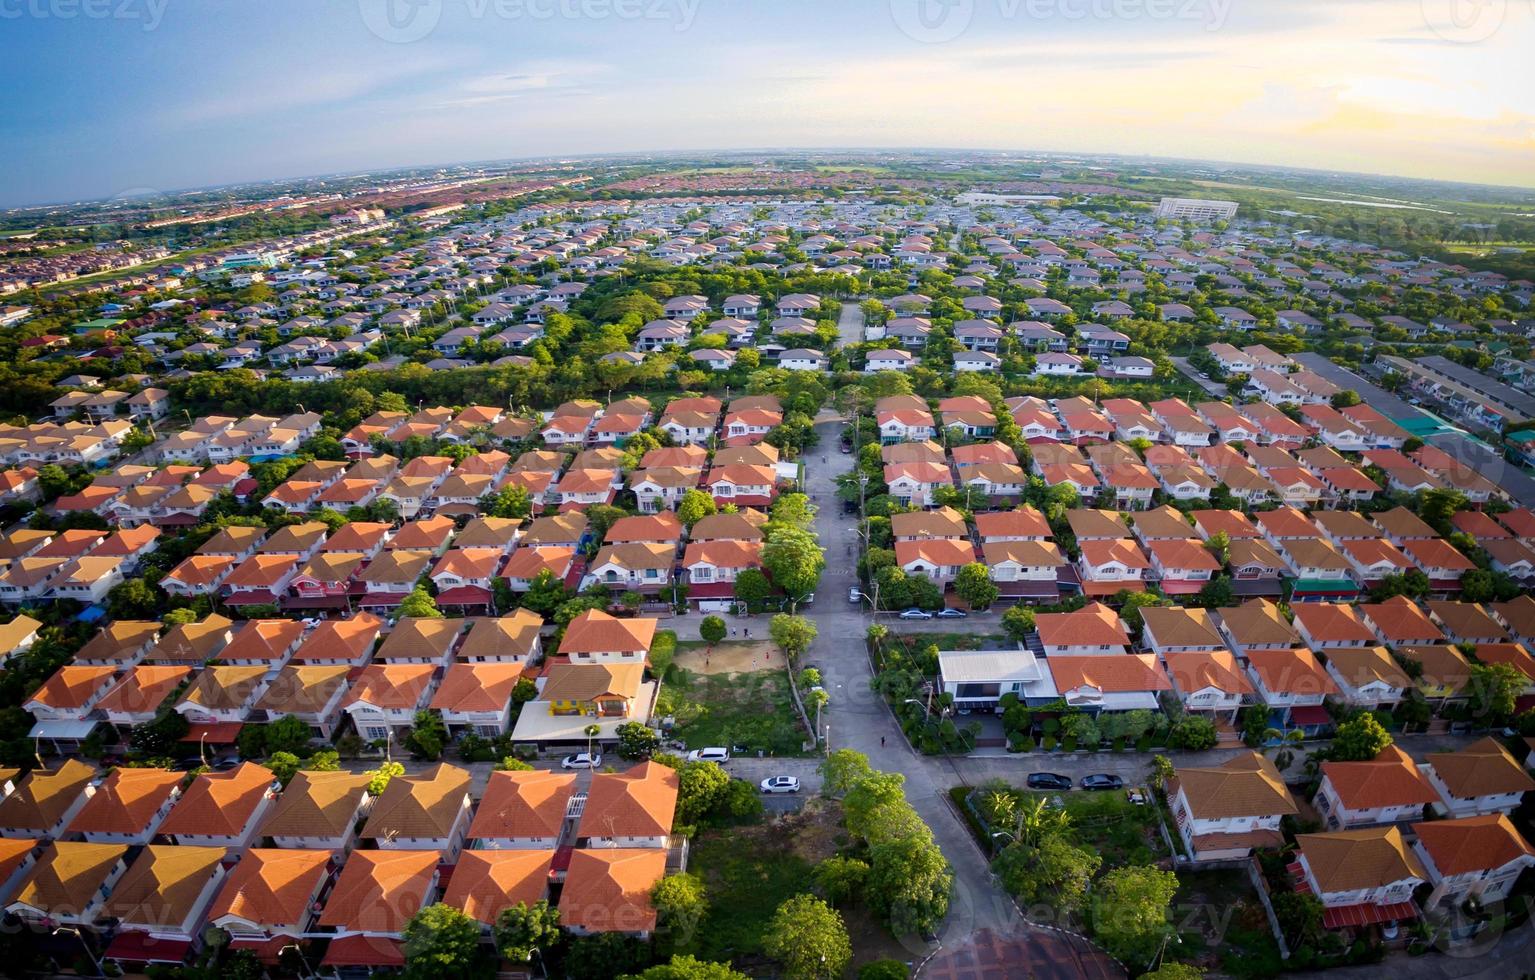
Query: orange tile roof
<point x="220" y="803"/>
<point x="1194" y="672"/>
<point x="390" y="685"/>
<point x="1328" y="622"/>
<point x="317" y="804"/>
<point x="485" y="882"/>
<point x="419" y="638"/>
<point x="72" y="686"/>
<point x="1483" y="768"/>
<point x="1111" y="673"/>
<point x="263" y="639"/>
<point x="1390" y="779"/>
<point x="1400" y="620"/>
<point x="594" y="631"/>
<point x="608" y="889"/>
<point x="421" y="805"/>
<point x="1093" y="625"/>
<point x="272" y="888"/>
<point x="1245" y="786"/>
<point x="523" y="804"/>
<point x="639" y="803"/>
<point x="125" y="801"/>
<point x="1365" y="665"/>
<point x="1293" y="671"/>
<point x="477" y="687"/>
<point x="43" y="797"/>
<point x="340" y="639"/>
<point x="1352" y="860"/>
<point x="68" y="875"/>
<point x="162" y="884"/>
<point x="378" y="891"/>
<point x="1471" y="844"/>
<point x="142" y="688"/>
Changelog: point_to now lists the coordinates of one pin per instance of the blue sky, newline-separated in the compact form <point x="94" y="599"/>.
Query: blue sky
<point x="126" y="95"/>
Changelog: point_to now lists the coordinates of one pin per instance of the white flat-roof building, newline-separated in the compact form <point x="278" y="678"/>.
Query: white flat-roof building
<point x="1195" y="209"/>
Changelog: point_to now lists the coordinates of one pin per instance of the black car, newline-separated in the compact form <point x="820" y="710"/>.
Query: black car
<point x="1048" y="780"/>
<point x="1102" y="780"/>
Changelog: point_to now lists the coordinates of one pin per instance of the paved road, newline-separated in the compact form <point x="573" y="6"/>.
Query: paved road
<point x="1215" y="388"/>
<point x="850" y="324"/>
<point x="1373" y="395"/>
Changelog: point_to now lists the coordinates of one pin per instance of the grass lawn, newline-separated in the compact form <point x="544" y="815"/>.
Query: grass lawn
<point x="752" y="710"/>
<point x="1112" y="826"/>
<point x="750" y="871"/>
<point x="952" y="641"/>
<point x="1116" y="828"/>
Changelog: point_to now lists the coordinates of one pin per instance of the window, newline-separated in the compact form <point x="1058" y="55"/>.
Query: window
<point x="376" y="732"/>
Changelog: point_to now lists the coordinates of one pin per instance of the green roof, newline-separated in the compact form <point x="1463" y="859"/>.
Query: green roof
<point x="1325" y="585"/>
<point x="1422" y="426"/>
<point x="100" y="323"/>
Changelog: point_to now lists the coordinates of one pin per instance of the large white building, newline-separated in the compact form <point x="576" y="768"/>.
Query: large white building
<point x="1195" y="209"/>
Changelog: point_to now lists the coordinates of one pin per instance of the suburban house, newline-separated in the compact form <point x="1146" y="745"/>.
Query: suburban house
<point x="1226" y="811"/>
<point x="1386" y="789"/>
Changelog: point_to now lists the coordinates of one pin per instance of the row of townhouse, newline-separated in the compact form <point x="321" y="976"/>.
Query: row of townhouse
<point x="323" y="864"/>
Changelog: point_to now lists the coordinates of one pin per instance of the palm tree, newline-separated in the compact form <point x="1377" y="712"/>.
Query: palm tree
<point x="592" y="731"/>
<point x="1161" y="769"/>
<point x="1037" y="819"/>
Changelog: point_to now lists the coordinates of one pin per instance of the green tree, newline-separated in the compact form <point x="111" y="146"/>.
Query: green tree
<point x="809" y="939"/>
<point x="689" y="968"/>
<point x="287" y="734"/>
<point x="752" y="588"/>
<point x="1495" y="688"/>
<point x="1359" y="739"/>
<point x="842" y="770"/>
<point x="636" y="740"/>
<point x="1347" y="398"/>
<point x="134" y="598"/>
<point x="701" y="788"/>
<point x="428" y="735"/>
<point x="794" y="561"/>
<point x="545" y="594"/>
<point x="1162" y="769"/>
<point x="1173" y="970"/>
<point x="909" y="883"/>
<point x="440" y="942"/>
<point x="883" y="970"/>
<point x="680" y="904"/>
<point x="841" y="879"/>
<point x="1130" y="911"/>
<point x="382" y="775"/>
<point x="1054" y="870"/>
<point x="1018" y="623"/>
<point x="974" y="585"/>
<point x="180" y="617"/>
<point x="792" y="634"/>
<point x="1438" y="505"/>
<point x="604" y="956"/>
<point x="420" y="605"/>
<point x="694" y="506"/>
<point x="1194" y="734"/>
<point x="711" y="630"/>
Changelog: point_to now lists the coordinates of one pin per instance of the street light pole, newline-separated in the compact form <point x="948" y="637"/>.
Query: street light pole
<point x="71" y="930"/>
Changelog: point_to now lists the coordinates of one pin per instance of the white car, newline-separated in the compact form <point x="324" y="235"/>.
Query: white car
<point x="581" y="760"/>
<point x="916" y="614"/>
<point x="781" y="784"/>
<point x="715" y="753"/>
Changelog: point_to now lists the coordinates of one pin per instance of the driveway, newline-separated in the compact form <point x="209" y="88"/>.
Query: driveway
<point x="850" y="324"/>
<point x="1215" y="388"/>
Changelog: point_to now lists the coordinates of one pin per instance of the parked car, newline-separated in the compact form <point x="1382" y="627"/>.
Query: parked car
<point x="1047" y="780"/>
<point x="581" y="760"/>
<point x="916" y="614"/>
<point x="952" y="614"/>
<point x="714" y="753"/>
<point x="1136" y="797"/>
<point x="1102" y="780"/>
<point x="781" y="784"/>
